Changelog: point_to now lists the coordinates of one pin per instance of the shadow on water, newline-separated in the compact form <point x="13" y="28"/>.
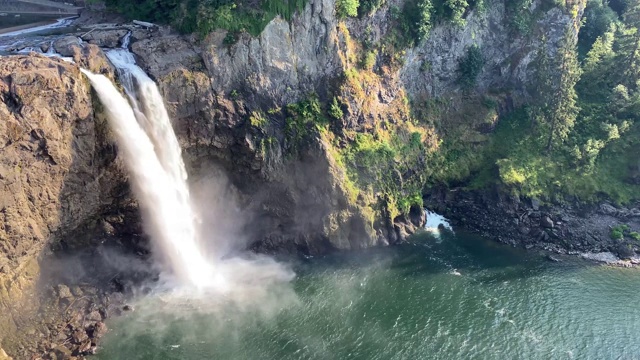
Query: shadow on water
<point x="426" y="255"/>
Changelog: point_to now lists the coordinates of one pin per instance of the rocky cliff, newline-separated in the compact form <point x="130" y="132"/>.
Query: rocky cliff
<point x="62" y="187"/>
<point x="230" y="105"/>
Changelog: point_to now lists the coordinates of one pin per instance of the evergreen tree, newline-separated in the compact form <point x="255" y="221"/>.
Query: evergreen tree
<point x="543" y="85"/>
<point x="629" y="45"/>
<point x="564" y="108"/>
<point x="554" y="92"/>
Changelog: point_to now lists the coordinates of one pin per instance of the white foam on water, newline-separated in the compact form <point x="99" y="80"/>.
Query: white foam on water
<point x="605" y="257"/>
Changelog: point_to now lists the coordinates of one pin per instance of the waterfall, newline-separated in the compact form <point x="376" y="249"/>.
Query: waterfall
<point x="152" y="153"/>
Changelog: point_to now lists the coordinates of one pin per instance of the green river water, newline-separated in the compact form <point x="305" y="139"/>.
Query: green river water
<point x="462" y="297"/>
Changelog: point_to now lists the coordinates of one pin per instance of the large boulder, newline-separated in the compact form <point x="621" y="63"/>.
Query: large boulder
<point x="105" y="38"/>
<point x="67" y="46"/>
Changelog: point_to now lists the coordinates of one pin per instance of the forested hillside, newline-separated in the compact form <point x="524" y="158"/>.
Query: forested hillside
<point x="579" y="136"/>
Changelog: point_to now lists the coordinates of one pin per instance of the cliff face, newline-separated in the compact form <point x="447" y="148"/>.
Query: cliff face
<point x="61" y="186"/>
<point x="219" y="93"/>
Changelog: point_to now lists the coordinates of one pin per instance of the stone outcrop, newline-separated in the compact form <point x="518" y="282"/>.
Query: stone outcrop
<point x="59" y="176"/>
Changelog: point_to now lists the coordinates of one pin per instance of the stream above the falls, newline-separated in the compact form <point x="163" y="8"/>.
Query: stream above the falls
<point x="458" y="297"/>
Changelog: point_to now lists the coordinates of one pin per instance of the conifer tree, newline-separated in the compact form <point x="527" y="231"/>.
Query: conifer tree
<point x="564" y="108"/>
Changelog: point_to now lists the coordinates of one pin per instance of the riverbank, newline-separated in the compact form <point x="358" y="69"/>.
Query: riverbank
<point x="590" y="231"/>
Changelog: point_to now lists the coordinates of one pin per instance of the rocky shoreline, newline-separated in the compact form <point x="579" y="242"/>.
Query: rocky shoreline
<point x="571" y="229"/>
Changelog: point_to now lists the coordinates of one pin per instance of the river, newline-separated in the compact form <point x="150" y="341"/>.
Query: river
<point x="461" y="297"/>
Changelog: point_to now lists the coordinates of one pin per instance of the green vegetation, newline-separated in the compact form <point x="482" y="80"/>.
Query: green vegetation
<point x="205" y="16"/>
<point x="369" y="60"/>
<point x="579" y="136"/>
<point x="470" y="66"/>
<point x="335" y="111"/>
<point x="257" y="119"/>
<point x="414" y="21"/>
<point x="388" y="163"/>
<point x="412" y="24"/>
<point x="597" y="20"/>
<point x="368" y="7"/>
<point x="619" y="232"/>
<point x="300" y="120"/>
<point x="346" y="8"/>
<point x="519" y="15"/>
<point x="455" y="10"/>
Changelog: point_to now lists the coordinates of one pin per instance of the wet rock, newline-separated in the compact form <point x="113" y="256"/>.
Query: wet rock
<point x="535" y="204"/>
<point x="624" y="251"/>
<point x="127" y="308"/>
<point x="94" y="316"/>
<point x="105" y="38"/>
<point x="62" y="352"/>
<point x="79" y="336"/>
<point x="546" y="222"/>
<point x="552" y="258"/>
<point x="85" y="347"/>
<point x="45" y="46"/>
<point x="98" y="330"/>
<point x="76" y="291"/>
<point x="608" y="209"/>
<point x="417" y="216"/>
<point x="64" y="292"/>
<point x="92" y="57"/>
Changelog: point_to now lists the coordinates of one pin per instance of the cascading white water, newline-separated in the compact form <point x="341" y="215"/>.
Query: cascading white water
<point x="152" y="153"/>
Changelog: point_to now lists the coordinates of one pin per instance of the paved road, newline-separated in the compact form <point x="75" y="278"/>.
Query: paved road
<point x="53" y="4"/>
<point x="52" y="12"/>
<point x="43" y="7"/>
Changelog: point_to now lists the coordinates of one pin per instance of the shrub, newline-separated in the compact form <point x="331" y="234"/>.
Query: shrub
<point x="618" y="231"/>
<point x="470" y="66"/>
<point x="334" y="109"/>
<point x="346" y="8"/>
<point x="204" y="16"/>
<point x="616" y="234"/>
<point x="519" y="16"/>
<point x="369" y="7"/>
<point x="299" y="121"/>
<point x="257" y="119"/>
<point x="455" y="10"/>
<point x="369" y="60"/>
<point x="230" y="38"/>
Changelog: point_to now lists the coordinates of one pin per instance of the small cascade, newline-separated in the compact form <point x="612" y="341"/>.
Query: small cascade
<point x="51" y="51"/>
<point x="153" y="155"/>
<point x="435" y="221"/>
<point x="126" y="40"/>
